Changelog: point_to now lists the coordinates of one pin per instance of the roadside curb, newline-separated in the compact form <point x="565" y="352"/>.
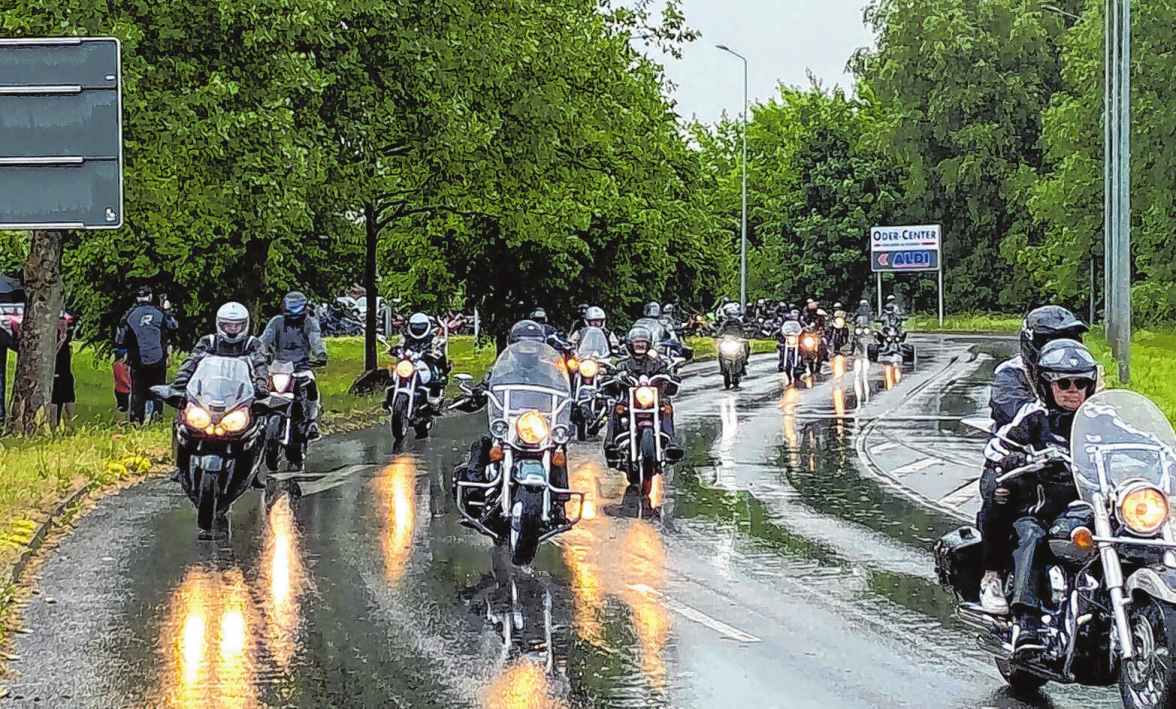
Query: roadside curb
<point x="15" y="571"/>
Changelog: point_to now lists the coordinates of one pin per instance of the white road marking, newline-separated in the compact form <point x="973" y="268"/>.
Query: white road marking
<point x="883" y="447"/>
<point x="921" y="464"/>
<point x="694" y="614"/>
<point x="959" y="497"/>
<point x="330" y="474"/>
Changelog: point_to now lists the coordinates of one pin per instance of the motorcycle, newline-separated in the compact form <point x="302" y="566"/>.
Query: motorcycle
<point x="813" y="350"/>
<point x="219" y="434"/>
<point x="1111" y="562"/>
<point x="513" y="500"/>
<point x="638" y="431"/>
<point x="732" y="360"/>
<point x="408" y="393"/>
<point x="789" y="349"/>
<point x="590" y="362"/>
<point x="891" y="342"/>
<point x="838" y="331"/>
<point x="287" y="431"/>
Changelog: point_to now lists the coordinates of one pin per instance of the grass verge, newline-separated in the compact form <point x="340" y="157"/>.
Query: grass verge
<point x="1153" y="366"/>
<point x="966" y="322"/>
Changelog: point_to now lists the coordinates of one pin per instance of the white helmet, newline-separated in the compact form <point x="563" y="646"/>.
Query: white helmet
<point x="232" y="323"/>
<point x="592" y="315"/>
<point x="418" y="326"/>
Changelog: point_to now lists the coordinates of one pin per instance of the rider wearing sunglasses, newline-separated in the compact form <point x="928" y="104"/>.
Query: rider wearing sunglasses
<point x="1013" y="381"/>
<point x="1025" y="507"/>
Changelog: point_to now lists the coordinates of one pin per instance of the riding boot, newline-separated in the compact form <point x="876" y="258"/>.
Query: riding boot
<point x="313" y="409"/>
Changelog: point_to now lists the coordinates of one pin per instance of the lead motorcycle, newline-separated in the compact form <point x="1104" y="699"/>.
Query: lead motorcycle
<point x="813" y="349"/>
<point x="591" y="362"/>
<point x="219" y="434"/>
<point x="1111" y="596"/>
<point x="732" y="360"/>
<point x="529" y="403"/>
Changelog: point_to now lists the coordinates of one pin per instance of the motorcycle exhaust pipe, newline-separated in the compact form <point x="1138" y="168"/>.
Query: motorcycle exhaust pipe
<point x="978" y="620"/>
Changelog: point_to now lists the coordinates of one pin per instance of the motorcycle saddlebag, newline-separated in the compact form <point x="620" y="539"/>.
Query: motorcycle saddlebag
<point x="958" y="562"/>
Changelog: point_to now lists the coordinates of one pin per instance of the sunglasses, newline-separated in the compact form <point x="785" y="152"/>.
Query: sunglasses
<point x="1068" y="384"/>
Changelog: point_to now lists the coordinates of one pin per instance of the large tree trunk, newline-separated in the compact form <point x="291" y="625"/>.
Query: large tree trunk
<point x="369" y="286"/>
<point x="38" y="332"/>
<point x="252" y="285"/>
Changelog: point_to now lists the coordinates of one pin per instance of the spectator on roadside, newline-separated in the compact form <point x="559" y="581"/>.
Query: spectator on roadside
<point x="122" y="383"/>
<point x="63" y="396"/>
<point x="146" y="332"/>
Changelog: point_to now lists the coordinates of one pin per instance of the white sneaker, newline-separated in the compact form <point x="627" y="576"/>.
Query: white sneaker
<point x="992" y="598"/>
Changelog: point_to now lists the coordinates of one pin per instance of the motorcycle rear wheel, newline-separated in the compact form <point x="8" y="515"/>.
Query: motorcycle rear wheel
<point x="1149" y="681"/>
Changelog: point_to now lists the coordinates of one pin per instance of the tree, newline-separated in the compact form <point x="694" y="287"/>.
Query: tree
<point x="964" y="85"/>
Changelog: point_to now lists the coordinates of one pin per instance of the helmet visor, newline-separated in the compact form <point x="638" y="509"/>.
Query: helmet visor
<point x="233" y="328"/>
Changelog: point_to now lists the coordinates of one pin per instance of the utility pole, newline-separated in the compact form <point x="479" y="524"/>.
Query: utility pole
<point x="743" y="229"/>
<point x="1117" y="177"/>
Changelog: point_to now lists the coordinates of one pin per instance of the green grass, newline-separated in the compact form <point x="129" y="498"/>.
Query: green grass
<point x="1153" y="366"/>
<point x="966" y="322"/>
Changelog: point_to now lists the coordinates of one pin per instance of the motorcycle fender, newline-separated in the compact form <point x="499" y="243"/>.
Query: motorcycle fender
<point x="210" y="463"/>
<point x="1159" y="582"/>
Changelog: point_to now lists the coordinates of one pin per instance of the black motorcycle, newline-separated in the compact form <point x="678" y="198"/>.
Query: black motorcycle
<point x="789" y="350"/>
<point x="637" y="431"/>
<point x="838" y="331"/>
<point x="1109" y="587"/>
<point x="732" y="360"/>
<point x="890" y="342"/>
<point x="513" y="500"/>
<point x="407" y="398"/>
<point x="586" y="368"/>
<point x="219" y="434"/>
<point x="287" y="432"/>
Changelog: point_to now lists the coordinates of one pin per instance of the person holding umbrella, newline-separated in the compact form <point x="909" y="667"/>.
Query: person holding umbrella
<point x="145" y="332"/>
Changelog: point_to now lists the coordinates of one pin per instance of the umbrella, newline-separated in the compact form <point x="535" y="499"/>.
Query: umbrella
<point x="10" y="290"/>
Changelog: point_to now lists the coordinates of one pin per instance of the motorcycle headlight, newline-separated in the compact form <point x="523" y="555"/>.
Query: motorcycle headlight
<point x="792" y="340"/>
<point x="730" y="347"/>
<point x="404" y="369"/>
<point x="589" y="368"/>
<point x="1143" y="509"/>
<point x="531" y="427"/>
<point x="839" y="323"/>
<point x="235" y="421"/>
<point x="810" y="342"/>
<point x="573" y="364"/>
<point x="197" y="417"/>
<point x="645" y="396"/>
<point x="279" y="383"/>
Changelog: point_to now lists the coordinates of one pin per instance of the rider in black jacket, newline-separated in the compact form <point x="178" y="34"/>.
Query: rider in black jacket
<point x="1028" y="504"/>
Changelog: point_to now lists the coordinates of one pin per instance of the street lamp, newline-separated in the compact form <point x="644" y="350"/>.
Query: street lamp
<point x="743" y="228"/>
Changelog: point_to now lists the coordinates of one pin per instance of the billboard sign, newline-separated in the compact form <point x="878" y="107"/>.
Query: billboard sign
<point x="905" y="248"/>
<point x="61" y="157"/>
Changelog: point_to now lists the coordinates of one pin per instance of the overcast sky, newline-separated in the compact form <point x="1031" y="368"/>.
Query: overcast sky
<point x="781" y="39"/>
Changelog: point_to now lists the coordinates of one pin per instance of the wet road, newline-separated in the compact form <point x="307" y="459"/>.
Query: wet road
<point x="769" y="570"/>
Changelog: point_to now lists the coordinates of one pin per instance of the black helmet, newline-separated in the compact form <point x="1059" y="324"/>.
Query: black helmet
<point x="1044" y="325"/>
<point x="540" y="315"/>
<point x="294" y="304"/>
<point x="526" y="330"/>
<point x="1064" y="359"/>
<point x="639" y="333"/>
<point x="652" y="310"/>
<point x="143" y="294"/>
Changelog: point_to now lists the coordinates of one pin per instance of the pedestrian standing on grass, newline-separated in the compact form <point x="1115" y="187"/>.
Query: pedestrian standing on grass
<point x="122" y="383"/>
<point x="146" y="332"/>
<point x="63" y="396"/>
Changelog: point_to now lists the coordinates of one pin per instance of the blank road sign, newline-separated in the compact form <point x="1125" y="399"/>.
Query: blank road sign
<point x="61" y="162"/>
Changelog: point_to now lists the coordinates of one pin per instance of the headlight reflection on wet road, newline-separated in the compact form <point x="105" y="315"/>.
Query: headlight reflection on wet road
<point x="286" y="579"/>
<point x="396" y="492"/>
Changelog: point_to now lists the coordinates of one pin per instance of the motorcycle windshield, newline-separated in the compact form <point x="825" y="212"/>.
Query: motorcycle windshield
<point x="1120" y="435"/>
<point x="529" y="376"/>
<point x="593" y="344"/>
<point x="659" y="332"/>
<point x="221" y="383"/>
<point x="791" y="328"/>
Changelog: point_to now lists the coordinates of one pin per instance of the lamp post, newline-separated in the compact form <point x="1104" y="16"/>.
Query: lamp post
<point x="743" y="227"/>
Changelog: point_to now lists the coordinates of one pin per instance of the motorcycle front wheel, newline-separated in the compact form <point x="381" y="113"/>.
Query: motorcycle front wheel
<point x="1149" y="680"/>
<point x="528" y="520"/>
<point x="399" y="420"/>
<point x="207" y="501"/>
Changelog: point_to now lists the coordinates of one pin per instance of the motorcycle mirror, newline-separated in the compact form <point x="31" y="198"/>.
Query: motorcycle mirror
<point x="272" y="403"/>
<point x="174" y="398"/>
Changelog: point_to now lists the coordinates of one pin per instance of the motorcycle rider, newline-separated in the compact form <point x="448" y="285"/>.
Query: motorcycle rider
<point x="294" y="336"/>
<point x="1012" y="382"/>
<point x="421" y="338"/>
<point x="893" y="309"/>
<point x="864" y="309"/>
<point x="479" y="456"/>
<point x="1026" y="506"/>
<point x="813" y="315"/>
<point x="232" y="339"/>
<point x="733" y="326"/>
<point x="594" y="317"/>
<point x="643" y="361"/>
<point x="553" y="336"/>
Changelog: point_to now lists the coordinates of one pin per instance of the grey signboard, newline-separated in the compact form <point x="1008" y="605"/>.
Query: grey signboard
<point x="61" y="162"/>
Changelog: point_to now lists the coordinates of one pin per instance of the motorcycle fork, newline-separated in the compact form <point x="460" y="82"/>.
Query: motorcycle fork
<point x="1113" y="576"/>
